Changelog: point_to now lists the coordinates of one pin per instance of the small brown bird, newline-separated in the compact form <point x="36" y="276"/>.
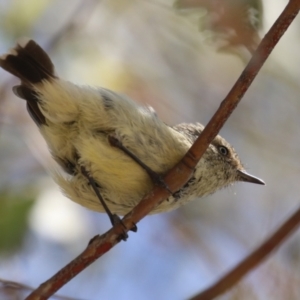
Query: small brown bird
<point x="107" y="144"/>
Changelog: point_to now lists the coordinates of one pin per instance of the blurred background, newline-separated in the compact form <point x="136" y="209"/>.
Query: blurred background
<point x="181" y="58"/>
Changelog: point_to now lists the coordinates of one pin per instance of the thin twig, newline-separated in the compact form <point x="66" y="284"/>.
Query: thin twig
<point x="252" y="260"/>
<point x="181" y="173"/>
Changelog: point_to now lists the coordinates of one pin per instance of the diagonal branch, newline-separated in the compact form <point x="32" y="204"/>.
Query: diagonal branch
<point x="181" y="173"/>
<point x="252" y="260"/>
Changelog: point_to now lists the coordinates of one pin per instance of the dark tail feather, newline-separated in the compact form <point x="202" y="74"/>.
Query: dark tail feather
<point x="30" y="96"/>
<point x="29" y="62"/>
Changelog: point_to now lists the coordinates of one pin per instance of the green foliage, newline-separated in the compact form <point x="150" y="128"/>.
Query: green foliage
<point x="13" y="222"/>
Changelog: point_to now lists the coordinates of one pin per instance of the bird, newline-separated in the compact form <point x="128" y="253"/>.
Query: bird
<point x="112" y="150"/>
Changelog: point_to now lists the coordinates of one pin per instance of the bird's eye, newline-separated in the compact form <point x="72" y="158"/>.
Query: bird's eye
<point x="223" y="150"/>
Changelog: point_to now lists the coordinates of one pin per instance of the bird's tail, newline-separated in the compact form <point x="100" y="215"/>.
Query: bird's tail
<point x="29" y="62"/>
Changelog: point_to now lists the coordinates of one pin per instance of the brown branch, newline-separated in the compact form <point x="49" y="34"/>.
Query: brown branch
<point x="180" y="174"/>
<point x="251" y="261"/>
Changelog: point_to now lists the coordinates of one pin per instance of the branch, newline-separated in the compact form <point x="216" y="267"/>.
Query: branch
<point x="251" y="261"/>
<point x="181" y="173"/>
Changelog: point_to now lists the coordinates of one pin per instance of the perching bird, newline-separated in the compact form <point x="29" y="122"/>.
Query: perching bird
<point x="107" y="144"/>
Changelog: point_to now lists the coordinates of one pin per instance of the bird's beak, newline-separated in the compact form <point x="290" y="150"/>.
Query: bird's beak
<point x="244" y="176"/>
